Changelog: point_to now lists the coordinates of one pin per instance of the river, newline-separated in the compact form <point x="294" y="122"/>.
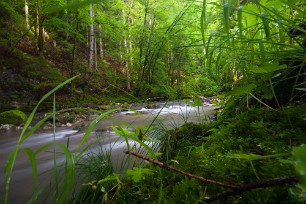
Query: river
<point x="171" y="115"/>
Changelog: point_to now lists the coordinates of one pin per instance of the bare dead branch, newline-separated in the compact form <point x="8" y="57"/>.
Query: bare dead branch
<point x="260" y="184"/>
<point x="234" y="189"/>
<point x="169" y="167"/>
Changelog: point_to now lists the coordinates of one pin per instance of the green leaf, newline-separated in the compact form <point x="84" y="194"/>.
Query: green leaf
<point x="11" y="161"/>
<point x="268" y="68"/>
<point x="299" y="154"/>
<point x="240" y="25"/>
<point x="139" y="174"/>
<point x="241" y="90"/>
<point x="256" y="156"/>
<point x="69" y="171"/>
<point x="32" y="158"/>
<point x="266" y="24"/>
<point x="301" y="89"/>
<point x="203" y="21"/>
<point x="226" y="18"/>
<point x="93" y="124"/>
<point x="196" y="102"/>
<point x="113" y="177"/>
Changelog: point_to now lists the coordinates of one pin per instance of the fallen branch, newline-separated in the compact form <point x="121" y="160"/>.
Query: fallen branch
<point x="169" y="167"/>
<point x="234" y="189"/>
<point x="255" y="185"/>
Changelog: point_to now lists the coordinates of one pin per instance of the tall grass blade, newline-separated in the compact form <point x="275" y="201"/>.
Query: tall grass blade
<point x="262" y="51"/>
<point x="69" y="173"/>
<point x="240" y="25"/>
<point x="92" y="125"/>
<point x="266" y="25"/>
<point x="203" y="21"/>
<point x="55" y="169"/>
<point x="226" y="19"/>
<point x="12" y="158"/>
<point x="32" y="158"/>
<point x="218" y="65"/>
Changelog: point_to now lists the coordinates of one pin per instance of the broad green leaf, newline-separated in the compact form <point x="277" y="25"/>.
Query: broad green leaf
<point x="268" y="68"/>
<point x="139" y="174"/>
<point x="250" y="13"/>
<point x="299" y="154"/>
<point x="241" y="90"/>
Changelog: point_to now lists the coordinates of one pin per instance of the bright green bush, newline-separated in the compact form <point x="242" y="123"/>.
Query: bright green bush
<point x="14" y="117"/>
<point x="201" y="85"/>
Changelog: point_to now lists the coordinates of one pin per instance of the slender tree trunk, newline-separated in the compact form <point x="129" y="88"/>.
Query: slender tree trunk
<point x="126" y="48"/>
<point x="141" y="52"/>
<point x="72" y="65"/>
<point x="41" y="37"/>
<point x="26" y="13"/>
<point x="67" y="20"/>
<point x="37" y="20"/>
<point x="73" y="55"/>
<point x="96" y="53"/>
<point x="11" y="27"/>
<point x="90" y="43"/>
<point x="100" y="41"/>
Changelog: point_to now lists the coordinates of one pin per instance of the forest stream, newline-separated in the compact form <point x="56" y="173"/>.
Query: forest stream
<point x="171" y="115"/>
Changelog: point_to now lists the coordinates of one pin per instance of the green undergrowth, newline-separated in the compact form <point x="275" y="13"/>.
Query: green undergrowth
<point x="14" y="117"/>
<point x="251" y="146"/>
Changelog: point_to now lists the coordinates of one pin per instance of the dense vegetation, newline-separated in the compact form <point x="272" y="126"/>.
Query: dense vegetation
<point x="250" y="53"/>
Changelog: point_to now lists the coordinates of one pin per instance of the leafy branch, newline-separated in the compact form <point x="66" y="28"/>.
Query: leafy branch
<point x="235" y="189"/>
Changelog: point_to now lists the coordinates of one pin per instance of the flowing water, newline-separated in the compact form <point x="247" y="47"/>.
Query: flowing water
<point x="171" y="115"/>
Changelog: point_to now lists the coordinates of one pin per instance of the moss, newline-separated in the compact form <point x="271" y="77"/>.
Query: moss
<point x="14" y="117"/>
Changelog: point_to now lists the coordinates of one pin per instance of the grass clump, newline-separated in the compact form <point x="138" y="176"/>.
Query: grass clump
<point x="14" y="117"/>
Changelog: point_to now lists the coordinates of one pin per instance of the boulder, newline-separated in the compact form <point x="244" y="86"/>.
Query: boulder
<point x="14" y="117"/>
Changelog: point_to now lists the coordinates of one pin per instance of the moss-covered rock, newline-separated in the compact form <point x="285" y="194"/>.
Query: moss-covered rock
<point x="14" y="117"/>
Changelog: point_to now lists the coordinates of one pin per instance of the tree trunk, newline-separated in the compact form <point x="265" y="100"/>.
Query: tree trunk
<point x="96" y="53"/>
<point x="40" y="37"/>
<point x="100" y="41"/>
<point x="26" y="12"/>
<point x="141" y="52"/>
<point x="90" y="43"/>
<point x="126" y="48"/>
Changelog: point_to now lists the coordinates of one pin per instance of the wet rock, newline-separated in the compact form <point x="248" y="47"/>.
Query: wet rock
<point x="48" y="125"/>
<point x="152" y="106"/>
<point x="156" y="99"/>
<point x="7" y="127"/>
<point x="66" y="118"/>
<point x="81" y="126"/>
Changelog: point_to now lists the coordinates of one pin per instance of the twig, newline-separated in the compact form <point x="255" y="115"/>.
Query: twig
<point x="169" y="167"/>
<point x="234" y="189"/>
<point x="250" y="186"/>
